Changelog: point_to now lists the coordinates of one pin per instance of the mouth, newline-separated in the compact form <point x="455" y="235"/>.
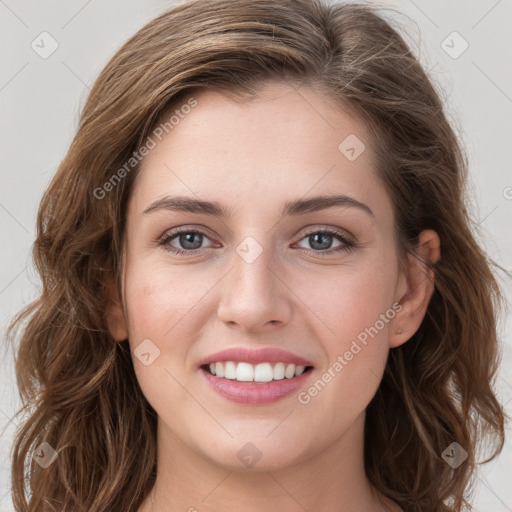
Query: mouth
<point x="256" y="373"/>
<point x="258" y="384"/>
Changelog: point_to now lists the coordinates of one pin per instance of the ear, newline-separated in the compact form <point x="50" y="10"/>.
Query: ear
<point x="114" y="313"/>
<point x="415" y="288"/>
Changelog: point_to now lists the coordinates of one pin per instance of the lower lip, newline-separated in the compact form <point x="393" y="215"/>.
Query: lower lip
<point x="255" y="392"/>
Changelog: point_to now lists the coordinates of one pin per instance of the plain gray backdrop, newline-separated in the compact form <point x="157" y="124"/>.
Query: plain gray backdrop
<point x="40" y="101"/>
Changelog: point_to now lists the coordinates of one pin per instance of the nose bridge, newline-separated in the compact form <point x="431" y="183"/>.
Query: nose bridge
<point x="252" y="294"/>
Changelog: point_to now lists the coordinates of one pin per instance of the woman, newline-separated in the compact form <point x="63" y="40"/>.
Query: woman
<point x="260" y="286"/>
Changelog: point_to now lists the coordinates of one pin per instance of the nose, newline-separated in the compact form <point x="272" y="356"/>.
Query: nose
<point x="254" y="295"/>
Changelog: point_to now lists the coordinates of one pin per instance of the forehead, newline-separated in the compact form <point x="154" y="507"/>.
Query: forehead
<point x="284" y="142"/>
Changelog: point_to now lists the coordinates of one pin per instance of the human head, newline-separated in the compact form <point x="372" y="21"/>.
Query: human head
<point x="81" y="235"/>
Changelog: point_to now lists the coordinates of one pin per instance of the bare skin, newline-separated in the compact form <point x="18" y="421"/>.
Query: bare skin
<point x="252" y="158"/>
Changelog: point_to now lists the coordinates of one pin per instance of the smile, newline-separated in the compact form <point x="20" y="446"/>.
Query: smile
<point x="262" y="372"/>
<point x="247" y="387"/>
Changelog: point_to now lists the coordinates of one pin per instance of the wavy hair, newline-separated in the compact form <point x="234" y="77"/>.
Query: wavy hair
<point x="78" y="387"/>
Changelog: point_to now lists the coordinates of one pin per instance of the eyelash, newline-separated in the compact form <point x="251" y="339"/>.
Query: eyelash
<point x="347" y="246"/>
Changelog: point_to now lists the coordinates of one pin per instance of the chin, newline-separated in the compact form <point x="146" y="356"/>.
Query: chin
<point x="257" y="455"/>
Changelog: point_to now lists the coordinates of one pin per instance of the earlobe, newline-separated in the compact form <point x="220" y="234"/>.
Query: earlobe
<point x="417" y="288"/>
<point x="114" y="313"/>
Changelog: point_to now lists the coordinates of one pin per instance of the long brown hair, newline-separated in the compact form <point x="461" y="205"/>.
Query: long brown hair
<point x="78" y="386"/>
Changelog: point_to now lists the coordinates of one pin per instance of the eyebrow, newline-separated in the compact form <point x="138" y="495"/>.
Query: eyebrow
<point x="298" y="207"/>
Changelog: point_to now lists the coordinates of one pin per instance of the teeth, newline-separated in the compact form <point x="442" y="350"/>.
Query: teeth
<point x="299" y="370"/>
<point x="219" y="369"/>
<point x="262" y="372"/>
<point x="230" y="370"/>
<point x="279" y="371"/>
<point x="290" y="371"/>
<point x="244" y="372"/>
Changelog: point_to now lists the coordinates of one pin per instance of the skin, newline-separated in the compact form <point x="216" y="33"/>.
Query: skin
<point x="252" y="157"/>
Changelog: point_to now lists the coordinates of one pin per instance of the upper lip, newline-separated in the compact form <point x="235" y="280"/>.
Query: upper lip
<point x="262" y="355"/>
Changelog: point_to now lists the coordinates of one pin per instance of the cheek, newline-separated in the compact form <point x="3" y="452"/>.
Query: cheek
<point x="160" y="308"/>
<point x="352" y="299"/>
<point x="159" y="299"/>
<point x="350" y="303"/>
<point x="355" y="307"/>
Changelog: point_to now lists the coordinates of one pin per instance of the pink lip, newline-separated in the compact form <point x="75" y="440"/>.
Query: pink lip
<point x="255" y="392"/>
<point x="262" y="355"/>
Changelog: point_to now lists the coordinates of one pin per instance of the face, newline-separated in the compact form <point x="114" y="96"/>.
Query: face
<point x="267" y="271"/>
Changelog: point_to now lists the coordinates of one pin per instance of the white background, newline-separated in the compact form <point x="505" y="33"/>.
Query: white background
<point x="40" y="100"/>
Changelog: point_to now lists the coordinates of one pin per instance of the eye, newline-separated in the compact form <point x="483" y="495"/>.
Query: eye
<point x="188" y="241"/>
<point x="321" y="241"/>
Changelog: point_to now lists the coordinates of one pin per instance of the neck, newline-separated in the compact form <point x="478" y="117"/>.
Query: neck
<point x="333" y="480"/>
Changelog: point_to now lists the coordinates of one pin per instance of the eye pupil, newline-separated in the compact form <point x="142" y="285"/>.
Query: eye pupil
<point x="187" y="238"/>
<point x="320" y="240"/>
